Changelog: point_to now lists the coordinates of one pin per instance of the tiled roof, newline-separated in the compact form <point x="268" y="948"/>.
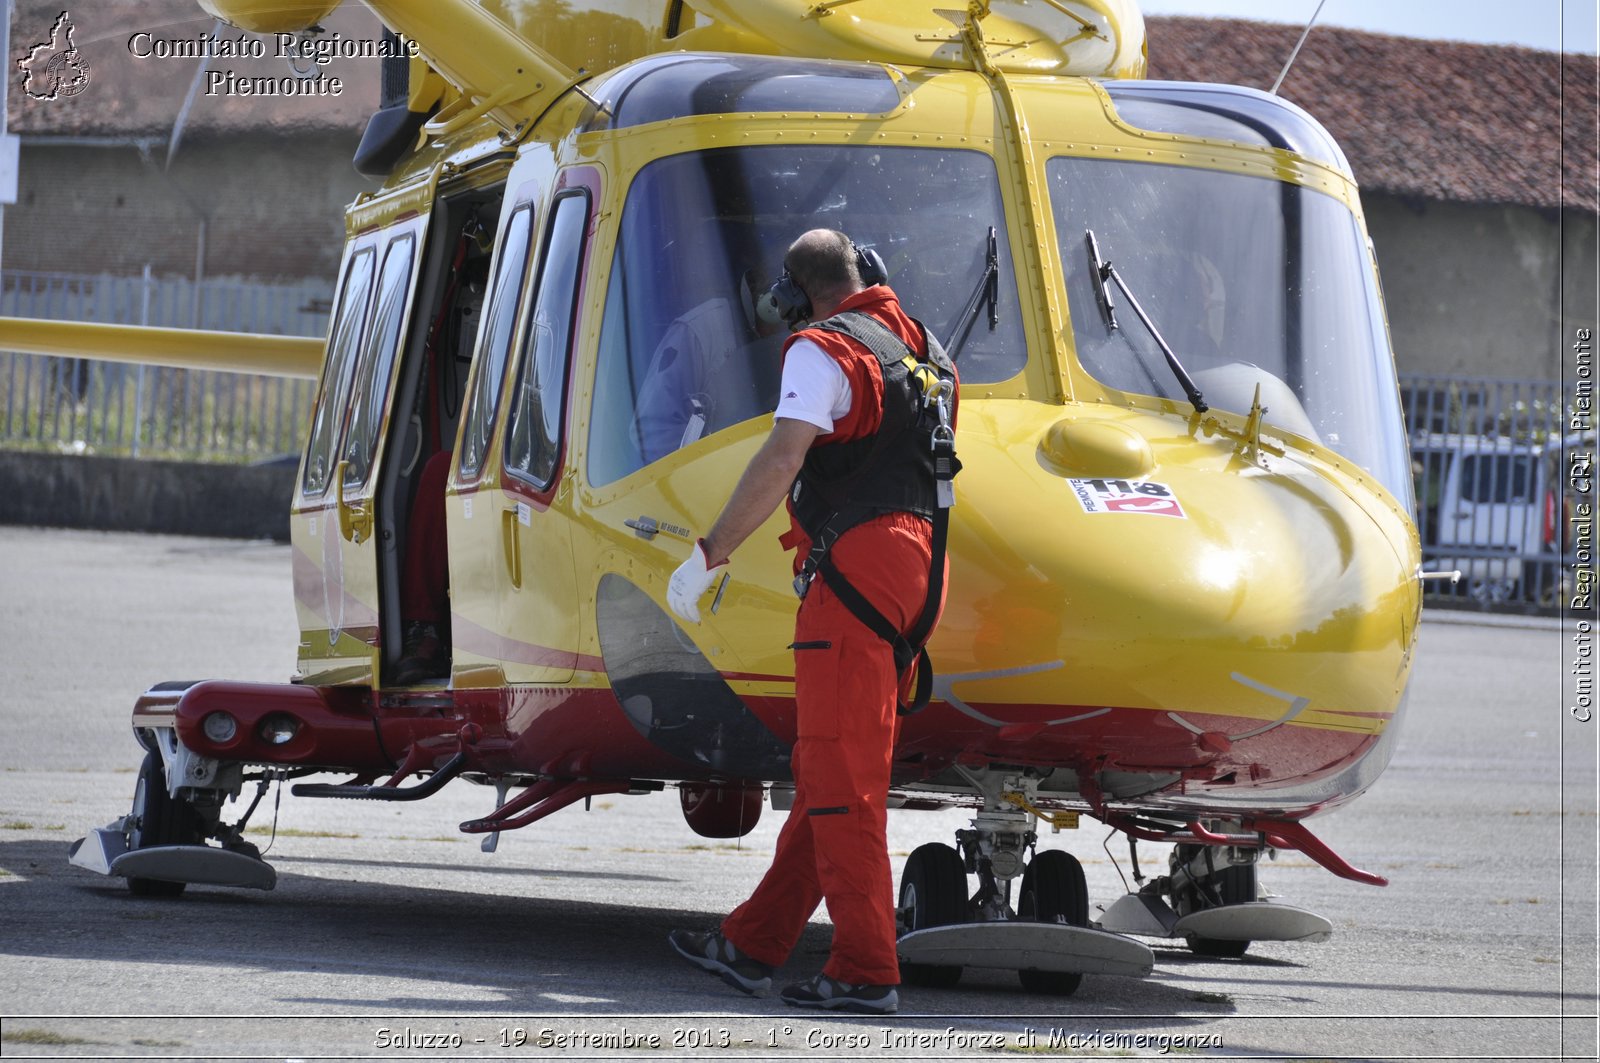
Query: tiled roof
<point x="1432" y="119"/>
<point x="1437" y="120"/>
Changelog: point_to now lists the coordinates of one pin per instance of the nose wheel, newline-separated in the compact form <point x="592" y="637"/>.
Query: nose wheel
<point x="160" y="847"/>
<point x="1227" y="886"/>
<point x="156" y="820"/>
<point x="1053" y="891"/>
<point x="1047" y="938"/>
<point x="933" y="892"/>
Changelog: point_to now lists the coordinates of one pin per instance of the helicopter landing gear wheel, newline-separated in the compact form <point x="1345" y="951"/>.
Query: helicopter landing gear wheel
<point x="158" y="819"/>
<point x="933" y="892"/>
<point x="1053" y="891"/>
<point x="1231" y="885"/>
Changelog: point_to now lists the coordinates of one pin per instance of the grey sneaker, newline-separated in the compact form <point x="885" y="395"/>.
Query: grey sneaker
<point x="834" y="995"/>
<point x="712" y="952"/>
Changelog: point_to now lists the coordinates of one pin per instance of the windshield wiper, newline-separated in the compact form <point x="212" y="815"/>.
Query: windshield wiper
<point x="1101" y="271"/>
<point x="987" y="291"/>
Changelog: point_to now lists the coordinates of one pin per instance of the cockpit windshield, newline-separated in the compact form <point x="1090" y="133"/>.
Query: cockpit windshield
<point x="682" y="352"/>
<point x="1252" y="281"/>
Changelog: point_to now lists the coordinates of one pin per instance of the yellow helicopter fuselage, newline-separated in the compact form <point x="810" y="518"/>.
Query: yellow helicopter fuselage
<point x="1240" y="649"/>
<point x="1159" y="605"/>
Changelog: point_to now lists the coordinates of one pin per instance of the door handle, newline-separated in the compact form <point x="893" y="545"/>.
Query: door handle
<point x="648" y="528"/>
<point x="511" y="543"/>
<point x="355" y="518"/>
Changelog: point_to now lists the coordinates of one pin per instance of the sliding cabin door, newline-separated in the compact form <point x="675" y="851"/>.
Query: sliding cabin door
<point x="334" y="525"/>
<point x="514" y="612"/>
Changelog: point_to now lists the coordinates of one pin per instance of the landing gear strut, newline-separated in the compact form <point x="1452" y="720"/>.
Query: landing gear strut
<point x="1046" y="939"/>
<point x="160" y="846"/>
<point x="1210" y="899"/>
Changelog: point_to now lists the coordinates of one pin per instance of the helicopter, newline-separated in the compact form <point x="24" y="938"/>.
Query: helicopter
<point x="1184" y="570"/>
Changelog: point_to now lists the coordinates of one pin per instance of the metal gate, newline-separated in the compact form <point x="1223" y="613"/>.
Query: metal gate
<point x="73" y="405"/>
<point x="1489" y="466"/>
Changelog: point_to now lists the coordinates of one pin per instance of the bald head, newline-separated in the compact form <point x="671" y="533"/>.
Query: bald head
<point x="823" y="263"/>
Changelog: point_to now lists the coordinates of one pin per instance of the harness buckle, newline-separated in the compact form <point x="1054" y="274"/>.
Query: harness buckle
<point x="802" y="582"/>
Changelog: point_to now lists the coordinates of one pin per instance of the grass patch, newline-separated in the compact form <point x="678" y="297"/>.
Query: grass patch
<point x="22" y="824"/>
<point x="1211" y="998"/>
<point x="32" y="1036"/>
<point x="295" y="832"/>
<point x="150" y="1042"/>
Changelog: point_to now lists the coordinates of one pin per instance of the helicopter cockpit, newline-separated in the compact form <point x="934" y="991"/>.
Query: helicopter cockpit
<point x="1250" y="279"/>
<point x="683" y="353"/>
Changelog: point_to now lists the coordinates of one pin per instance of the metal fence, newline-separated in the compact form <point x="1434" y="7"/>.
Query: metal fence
<point x="1488" y="464"/>
<point x="1486" y="454"/>
<point x="73" y="405"/>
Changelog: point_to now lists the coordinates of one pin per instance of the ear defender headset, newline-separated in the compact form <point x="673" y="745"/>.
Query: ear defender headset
<point x="786" y="301"/>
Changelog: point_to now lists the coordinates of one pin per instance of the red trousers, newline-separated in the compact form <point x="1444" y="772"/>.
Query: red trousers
<point x="833" y="846"/>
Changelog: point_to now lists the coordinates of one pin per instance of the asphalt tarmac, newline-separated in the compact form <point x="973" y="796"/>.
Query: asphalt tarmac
<point x="390" y="935"/>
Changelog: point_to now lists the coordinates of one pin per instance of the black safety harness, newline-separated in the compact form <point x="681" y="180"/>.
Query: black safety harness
<point x="908" y="465"/>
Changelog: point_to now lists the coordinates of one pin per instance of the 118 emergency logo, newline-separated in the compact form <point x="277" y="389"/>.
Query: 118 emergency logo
<point x="1127" y="496"/>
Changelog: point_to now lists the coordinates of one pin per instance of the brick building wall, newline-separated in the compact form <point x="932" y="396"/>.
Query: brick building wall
<point x="1483" y="290"/>
<point x="273" y="206"/>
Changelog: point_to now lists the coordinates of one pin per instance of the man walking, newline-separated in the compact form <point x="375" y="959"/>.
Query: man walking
<point x="862" y="446"/>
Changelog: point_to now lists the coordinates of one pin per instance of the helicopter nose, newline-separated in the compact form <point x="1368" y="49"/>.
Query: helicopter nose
<point x="1141" y="567"/>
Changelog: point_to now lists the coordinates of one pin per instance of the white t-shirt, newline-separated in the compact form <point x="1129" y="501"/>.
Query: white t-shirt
<point x="814" y="388"/>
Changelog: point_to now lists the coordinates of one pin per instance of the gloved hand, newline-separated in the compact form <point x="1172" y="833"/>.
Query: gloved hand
<point x="693" y="578"/>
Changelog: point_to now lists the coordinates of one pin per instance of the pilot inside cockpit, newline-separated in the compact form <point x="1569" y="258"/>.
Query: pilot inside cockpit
<point x="707" y="372"/>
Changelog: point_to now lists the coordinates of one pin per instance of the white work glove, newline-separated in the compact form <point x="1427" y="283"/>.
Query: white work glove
<point x="693" y="578"/>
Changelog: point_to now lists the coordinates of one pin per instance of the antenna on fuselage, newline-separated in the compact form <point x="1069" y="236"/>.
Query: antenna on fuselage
<point x="1285" y="71"/>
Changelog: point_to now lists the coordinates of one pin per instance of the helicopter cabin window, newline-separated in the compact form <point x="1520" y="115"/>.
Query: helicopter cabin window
<point x="683" y="354"/>
<point x="375" y="369"/>
<point x="494" y="342"/>
<point x="1252" y="282"/>
<point x="660" y="88"/>
<point x="1224" y="112"/>
<point x="344" y="342"/>
<point x="533" y="441"/>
